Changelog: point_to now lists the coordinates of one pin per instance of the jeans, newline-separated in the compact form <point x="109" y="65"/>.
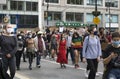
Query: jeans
<point x="38" y="58"/>
<point x="114" y="74"/>
<point x="93" y="65"/>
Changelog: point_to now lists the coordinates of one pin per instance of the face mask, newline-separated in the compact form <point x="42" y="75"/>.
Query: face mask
<point x="10" y="30"/>
<point x="30" y="36"/>
<point x="95" y="33"/>
<point x="116" y="43"/>
<point x="95" y="29"/>
<point x="63" y="38"/>
<point x="20" y="37"/>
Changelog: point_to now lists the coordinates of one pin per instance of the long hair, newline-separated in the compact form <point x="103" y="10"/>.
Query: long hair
<point x="75" y="33"/>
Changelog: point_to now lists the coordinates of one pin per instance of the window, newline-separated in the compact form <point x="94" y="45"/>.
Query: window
<point x="52" y="16"/>
<point x="75" y="2"/>
<point x="2" y="17"/>
<point x="20" y="5"/>
<point x="69" y="16"/>
<point x="52" y="1"/>
<point x="77" y="17"/>
<point x="26" y="21"/>
<point x="92" y="2"/>
<point x="4" y="7"/>
<point x="13" y="5"/>
<point x="32" y="6"/>
<point x="28" y="6"/>
<point x="17" y="5"/>
<point x="57" y="16"/>
<point x="13" y="19"/>
<point x="112" y="18"/>
<point x="109" y="3"/>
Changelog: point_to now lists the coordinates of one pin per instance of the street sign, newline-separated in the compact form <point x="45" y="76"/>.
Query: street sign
<point x="96" y="20"/>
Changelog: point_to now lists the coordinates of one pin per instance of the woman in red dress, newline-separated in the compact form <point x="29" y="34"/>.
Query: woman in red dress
<point x="61" y="57"/>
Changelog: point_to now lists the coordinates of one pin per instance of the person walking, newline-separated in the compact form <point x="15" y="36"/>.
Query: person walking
<point x="30" y="49"/>
<point x="40" y="47"/>
<point x="20" y="50"/>
<point x="77" y="47"/>
<point x="92" y="52"/>
<point x="69" y="48"/>
<point x="53" y="45"/>
<point x="61" y="57"/>
<point x="8" y="44"/>
<point x="111" y="58"/>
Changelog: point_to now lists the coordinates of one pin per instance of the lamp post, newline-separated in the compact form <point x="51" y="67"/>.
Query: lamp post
<point x="109" y="13"/>
<point x="96" y="13"/>
<point x="47" y="12"/>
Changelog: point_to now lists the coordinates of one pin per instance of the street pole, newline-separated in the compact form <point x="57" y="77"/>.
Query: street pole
<point x="96" y="10"/>
<point x="40" y="15"/>
<point x="47" y="12"/>
<point x="96" y="5"/>
<point x="109" y="17"/>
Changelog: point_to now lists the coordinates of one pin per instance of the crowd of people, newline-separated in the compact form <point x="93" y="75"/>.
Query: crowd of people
<point x="89" y="47"/>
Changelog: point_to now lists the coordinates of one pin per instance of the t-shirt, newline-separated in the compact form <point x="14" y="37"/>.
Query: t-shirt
<point x="77" y="42"/>
<point x="107" y="52"/>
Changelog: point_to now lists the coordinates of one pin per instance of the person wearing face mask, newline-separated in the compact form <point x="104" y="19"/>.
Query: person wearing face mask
<point x="62" y="50"/>
<point x="20" y="49"/>
<point x="30" y="49"/>
<point x="111" y="58"/>
<point x="103" y="39"/>
<point x="77" y="47"/>
<point x="91" y="52"/>
<point x="8" y="44"/>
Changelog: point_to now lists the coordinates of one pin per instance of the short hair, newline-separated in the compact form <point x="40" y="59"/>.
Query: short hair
<point x="90" y="28"/>
<point x="115" y="34"/>
<point x="101" y="28"/>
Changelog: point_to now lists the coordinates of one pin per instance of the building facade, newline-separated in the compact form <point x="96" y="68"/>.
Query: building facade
<point x="80" y="11"/>
<point x="29" y="13"/>
<point x="23" y="13"/>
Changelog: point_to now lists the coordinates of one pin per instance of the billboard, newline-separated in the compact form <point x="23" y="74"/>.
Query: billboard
<point x="3" y="1"/>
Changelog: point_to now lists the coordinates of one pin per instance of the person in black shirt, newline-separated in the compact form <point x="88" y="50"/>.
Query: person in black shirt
<point x="20" y="50"/>
<point x="111" y="58"/>
<point x="8" y="44"/>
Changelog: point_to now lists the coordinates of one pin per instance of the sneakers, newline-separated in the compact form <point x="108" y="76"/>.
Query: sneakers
<point x="87" y="73"/>
<point x="38" y="66"/>
<point x="76" y="66"/>
<point x="30" y="68"/>
<point x="97" y="74"/>
<point x="18" y="68"/>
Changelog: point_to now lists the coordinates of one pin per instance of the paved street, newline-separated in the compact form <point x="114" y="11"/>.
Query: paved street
<point x="51" y="70"/>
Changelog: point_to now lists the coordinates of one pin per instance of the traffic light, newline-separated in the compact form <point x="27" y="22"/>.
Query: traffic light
<point x="96" y="13"/>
